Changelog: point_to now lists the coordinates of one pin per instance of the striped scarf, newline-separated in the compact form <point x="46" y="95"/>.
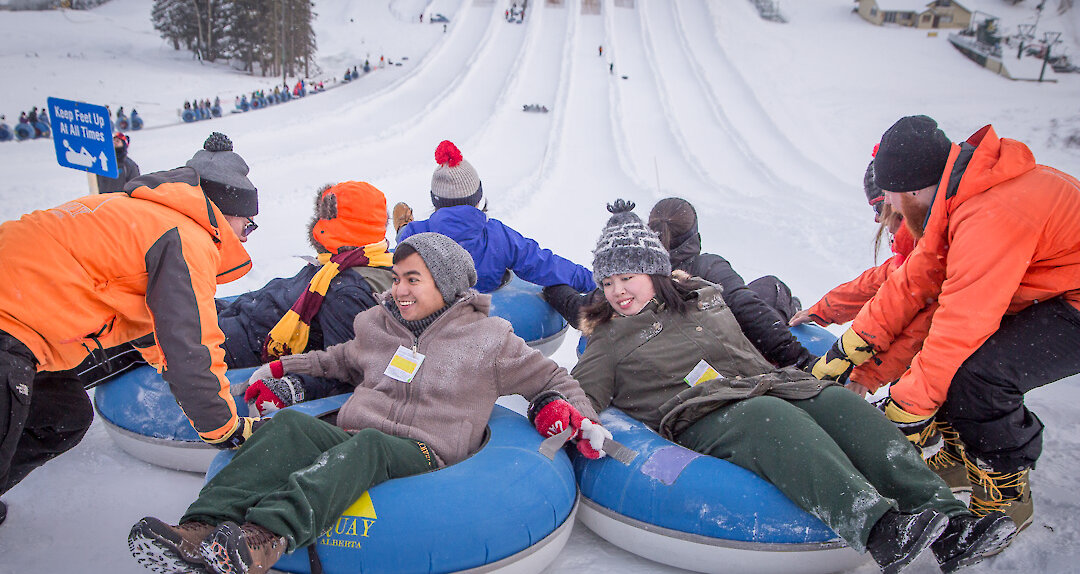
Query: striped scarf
<point x="291" y="333"/>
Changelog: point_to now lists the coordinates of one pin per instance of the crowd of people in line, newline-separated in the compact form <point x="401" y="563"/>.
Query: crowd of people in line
<point x="979" y="304"/>
<point x="32" y="124"/>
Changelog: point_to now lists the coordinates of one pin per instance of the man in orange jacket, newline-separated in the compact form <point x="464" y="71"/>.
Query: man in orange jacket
<point x="106" y="269"/>
<point x="999" y="252"/>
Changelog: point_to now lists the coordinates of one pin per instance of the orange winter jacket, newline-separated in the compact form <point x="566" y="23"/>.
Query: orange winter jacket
<point x="845" y="300"/>
<point x="106" y="269"/>
<point x="843" y="303"/>
<point x="1003" y="233"/>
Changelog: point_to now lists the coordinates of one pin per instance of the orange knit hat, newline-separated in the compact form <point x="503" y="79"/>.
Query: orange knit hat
<point x="351" y="213"/>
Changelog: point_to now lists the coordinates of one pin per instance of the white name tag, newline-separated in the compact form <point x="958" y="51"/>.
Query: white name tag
<point x="702" y="372"/>
<point x="404" y="364"/>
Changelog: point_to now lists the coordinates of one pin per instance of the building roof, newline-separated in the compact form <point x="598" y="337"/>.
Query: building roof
<point x="903" y="5"/>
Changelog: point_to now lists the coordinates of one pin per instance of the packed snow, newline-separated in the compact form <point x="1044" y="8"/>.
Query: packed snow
<point x="765" y="127"/>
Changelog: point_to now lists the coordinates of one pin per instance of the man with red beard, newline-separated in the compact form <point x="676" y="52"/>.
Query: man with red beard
<point x="999" y="251"/>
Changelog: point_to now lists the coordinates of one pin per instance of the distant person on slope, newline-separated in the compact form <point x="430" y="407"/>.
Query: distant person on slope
<point x="456" y="193"/>
<point x="127" y="169"/>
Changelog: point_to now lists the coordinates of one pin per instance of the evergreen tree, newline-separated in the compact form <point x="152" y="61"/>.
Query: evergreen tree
<point x="275" y="36"/>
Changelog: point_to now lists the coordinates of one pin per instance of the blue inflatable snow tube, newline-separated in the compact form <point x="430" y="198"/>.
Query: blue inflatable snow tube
<point x="188" y="116"/>
<point x="142" y="416"/>
<point x="675" y="488"/>
<point x="136" y="123"/>
<point x="216" y="111"/>
<point x="23" y="132"/>
<point x="505" y="504"/>
<point x="6" y="133"/>
<point x="533" y="319"/>
<point x="678" y="507"/>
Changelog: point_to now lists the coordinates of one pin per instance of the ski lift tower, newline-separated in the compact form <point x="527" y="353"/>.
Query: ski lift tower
<point x="1026" y="34"/>
<point x="1049" y="39"/>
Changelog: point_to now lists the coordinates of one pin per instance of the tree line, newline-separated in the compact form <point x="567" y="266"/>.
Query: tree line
<point x="271" y="37"/>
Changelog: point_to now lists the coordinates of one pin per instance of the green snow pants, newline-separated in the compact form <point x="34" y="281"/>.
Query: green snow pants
<point x="834" y="455"/>
<point x="297" y="474"/>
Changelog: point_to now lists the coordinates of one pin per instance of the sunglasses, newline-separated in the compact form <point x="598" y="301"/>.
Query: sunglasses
<point x="249" y="227"/>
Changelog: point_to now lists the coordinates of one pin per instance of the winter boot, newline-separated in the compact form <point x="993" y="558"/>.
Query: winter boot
<point x="247" y="549"/>
<point x="1007" y="492"/>
<point x="168" y="549"/>
<point x="948" y="461"/>
<point x="899" y="537"/>
<point x="402" y="215"/>
<point x="969" y="538"/>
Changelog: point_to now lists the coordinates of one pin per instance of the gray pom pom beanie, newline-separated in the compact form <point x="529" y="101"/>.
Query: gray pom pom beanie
<point x="627" y="246"/>
<point x="223" y="177"/>
<point x="450" y="265"/>
<point x="455" y="181"/>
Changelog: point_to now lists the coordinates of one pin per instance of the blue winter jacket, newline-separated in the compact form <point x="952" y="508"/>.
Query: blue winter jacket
<point x="495" y="248"/>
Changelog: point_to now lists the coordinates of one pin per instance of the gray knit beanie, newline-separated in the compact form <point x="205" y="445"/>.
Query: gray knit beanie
<point x="450" y="265"/>
<point x="627" y="246"/>
<point x="454" y="182"/>
<point x="223" y="177"/>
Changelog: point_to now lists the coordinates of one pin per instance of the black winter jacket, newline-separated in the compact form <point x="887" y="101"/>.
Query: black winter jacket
<point x="765" y="328"/>
<point x="247" y="319"/>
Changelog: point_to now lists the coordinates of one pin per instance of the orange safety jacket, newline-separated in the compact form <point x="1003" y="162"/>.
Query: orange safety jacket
<point x="106" y="269"/>
<point x="843" y="303"/>
<point x="1003" y="233"/>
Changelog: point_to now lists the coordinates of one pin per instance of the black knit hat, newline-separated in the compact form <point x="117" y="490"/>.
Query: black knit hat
<point x="223" y="177"/>
<point x="627" y="246"/>
<point x="912" y="155"/>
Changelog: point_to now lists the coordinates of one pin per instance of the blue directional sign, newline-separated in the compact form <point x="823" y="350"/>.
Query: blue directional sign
<point x="82" y="135"/>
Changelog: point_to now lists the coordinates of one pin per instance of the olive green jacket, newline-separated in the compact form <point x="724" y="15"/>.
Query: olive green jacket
<point x="638" y="364"/>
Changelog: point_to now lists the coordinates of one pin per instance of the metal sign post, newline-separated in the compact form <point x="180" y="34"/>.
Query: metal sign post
<point x="82" y="135"/>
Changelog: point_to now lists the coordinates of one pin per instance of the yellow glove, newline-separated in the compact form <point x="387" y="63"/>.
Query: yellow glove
<point x="245" y="426"/>
<point x="848" y="352"/>
<point x="913" y="426"/>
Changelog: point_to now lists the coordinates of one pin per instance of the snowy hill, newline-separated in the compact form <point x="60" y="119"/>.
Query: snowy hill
<point x="765" y="127"/>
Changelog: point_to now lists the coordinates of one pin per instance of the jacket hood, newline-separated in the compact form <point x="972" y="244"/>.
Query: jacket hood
<point x="179" y="190"/>
<point x="974" y="166"/>
<point x="462" y="223"/>
<point x="686" y="251"/>
<point x="992" y="161"/>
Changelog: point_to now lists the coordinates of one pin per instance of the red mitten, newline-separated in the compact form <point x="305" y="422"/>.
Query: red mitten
<point x="269" y="395"/>
<point x="557" y="416"/>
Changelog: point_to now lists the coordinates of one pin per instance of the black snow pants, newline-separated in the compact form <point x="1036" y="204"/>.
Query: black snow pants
<point x="42" y="415"/>
<point x="985" y="404"/>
